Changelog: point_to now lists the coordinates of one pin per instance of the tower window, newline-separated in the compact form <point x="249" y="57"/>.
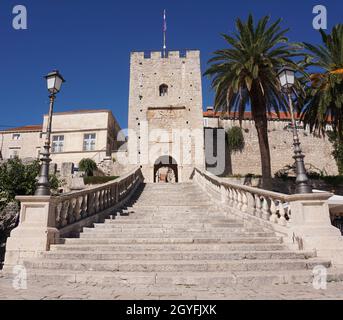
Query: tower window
<point x="163" y="90"/>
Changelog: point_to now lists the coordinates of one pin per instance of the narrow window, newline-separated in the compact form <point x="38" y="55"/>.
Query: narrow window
<point x="89" y="142"/>
<point x="163" y="90"/>
<point x="57" y="144"/>
<point x="16" y="136"/>
<point x="14" y="153"/>
<point x="206" y="122"/>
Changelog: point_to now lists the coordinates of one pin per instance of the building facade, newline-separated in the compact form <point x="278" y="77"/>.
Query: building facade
<point x="75" y="135"/>
<point x="165" y="115"/>
<point x="23" y="142"/>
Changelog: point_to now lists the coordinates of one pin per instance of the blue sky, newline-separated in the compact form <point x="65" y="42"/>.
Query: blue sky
<point x="90" y="42"/>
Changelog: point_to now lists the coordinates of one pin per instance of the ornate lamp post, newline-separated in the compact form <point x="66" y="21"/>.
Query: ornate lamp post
<point x="54" y="83"/>
<point x="287" y="78"/>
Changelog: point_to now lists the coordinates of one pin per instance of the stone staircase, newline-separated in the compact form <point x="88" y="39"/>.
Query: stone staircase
<point x="172" y="235"/>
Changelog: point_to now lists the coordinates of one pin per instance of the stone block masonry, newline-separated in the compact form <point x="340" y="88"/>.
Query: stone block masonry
<point x="317" y="151"/>
<point x="165" y="95"/>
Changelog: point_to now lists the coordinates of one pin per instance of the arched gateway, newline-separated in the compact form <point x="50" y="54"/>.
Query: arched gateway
<point x="166" y="170"/>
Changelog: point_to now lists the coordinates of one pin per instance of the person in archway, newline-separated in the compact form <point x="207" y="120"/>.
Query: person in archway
<point x="170" y="176"/>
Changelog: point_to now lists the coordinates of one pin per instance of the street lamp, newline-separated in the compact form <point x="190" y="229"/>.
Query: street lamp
<point x="287" y="79"/>
<point x="54" y="83"/>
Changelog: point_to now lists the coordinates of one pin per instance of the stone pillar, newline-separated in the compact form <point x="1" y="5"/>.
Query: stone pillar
<point x="67" y="169"/>
<point x="311" y="228"/>
<point x="36" y="230"/>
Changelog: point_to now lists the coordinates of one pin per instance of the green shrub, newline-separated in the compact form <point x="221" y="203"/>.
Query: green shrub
<point x="333" y="180"/>
<point x="19" y="179"/>
<point x="338" y="150"/>
<point x="253" y="176"/>
<point x="88" y="166"/>
<point x="98" y="180"/>
<point x="235" y="139"/>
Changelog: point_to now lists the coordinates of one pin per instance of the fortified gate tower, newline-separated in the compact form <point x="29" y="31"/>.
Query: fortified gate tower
<point x="166" y="133"/>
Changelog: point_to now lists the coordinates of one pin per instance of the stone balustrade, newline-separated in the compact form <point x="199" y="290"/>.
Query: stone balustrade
<point x="303" y="220"/>
<point x="73" y="207"/>
<point x="266" y="205"/>
<point x="45" y="220"/>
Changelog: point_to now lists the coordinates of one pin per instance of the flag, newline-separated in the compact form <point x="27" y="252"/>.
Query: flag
<point x="164" y="21"/>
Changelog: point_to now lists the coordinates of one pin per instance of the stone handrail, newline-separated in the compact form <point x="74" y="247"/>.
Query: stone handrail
<point x="286" y="214"/>
<point x="264" y="204"/>
<point x="75" y="206"/>
<point x="46" y="220"/>
<point x="302" y="220"/>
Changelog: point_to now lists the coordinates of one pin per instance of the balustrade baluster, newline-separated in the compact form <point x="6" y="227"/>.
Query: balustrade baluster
<point x="244" y="202"/>
<point x="273" y="210"/>
<point x="58" y="214"/>
<point x="97" y="201"/>
<point x="65" y="209"/>
<point x="282" y="220"/>
<point x="105" y="198"/>
<point x="84" y="209"/>
<point x="230" y="197"/>
<point x="265" y="209"/>
<point x="251" y="203"/>
<point x="258" y="211"/>
<point x="71" y="211"/>
<point x="239" y="200"/>
<point x="77" y="209"/>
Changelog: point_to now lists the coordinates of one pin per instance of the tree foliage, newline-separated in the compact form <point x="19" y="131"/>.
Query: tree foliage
<point x="325" y="90"/>
<point x="17" y="179"/>
<point x="246" y="75"/>
<point x="235" y="139"/>
<point x="88" y="166"/>
<point x="338" y="151"/>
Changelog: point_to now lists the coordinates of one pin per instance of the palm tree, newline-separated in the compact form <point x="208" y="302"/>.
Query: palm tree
<point x="246" y="74"/>
<point x="325" y="94"/>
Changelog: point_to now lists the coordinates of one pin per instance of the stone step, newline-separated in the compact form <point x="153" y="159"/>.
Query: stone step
<point x="94" y="233"/>
<point x="176" y="206"/>
<point x="172" y="229"/>
<point x="185" y="240"/>
<point x="168" y="222"/>
<point x="182" y="214"/>
<point x="131" y="224"/>
<point x="139" y="247"/>
<point x="170" y="256"/>
<point x="136" y="280"/>
<point x="163" y="202"/>
<point x="175" y="195"/>
<point x="177" y="266"/>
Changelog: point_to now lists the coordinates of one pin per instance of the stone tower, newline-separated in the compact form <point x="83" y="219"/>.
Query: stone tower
<point x="165" y="114"/>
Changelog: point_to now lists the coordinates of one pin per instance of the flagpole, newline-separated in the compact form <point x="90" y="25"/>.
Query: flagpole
<point x="164" y="33"/>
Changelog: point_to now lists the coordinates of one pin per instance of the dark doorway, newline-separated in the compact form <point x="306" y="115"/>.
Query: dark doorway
<point x="165" y="170"/>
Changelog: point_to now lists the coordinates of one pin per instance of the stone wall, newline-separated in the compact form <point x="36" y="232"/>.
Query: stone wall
<point x="318" y="151"/>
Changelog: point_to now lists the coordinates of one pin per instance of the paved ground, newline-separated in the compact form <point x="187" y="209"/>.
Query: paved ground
<point x="44" y="291"/>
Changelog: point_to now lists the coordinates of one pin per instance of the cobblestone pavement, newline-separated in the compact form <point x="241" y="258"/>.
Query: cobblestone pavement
<point x="45" y="291"/>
